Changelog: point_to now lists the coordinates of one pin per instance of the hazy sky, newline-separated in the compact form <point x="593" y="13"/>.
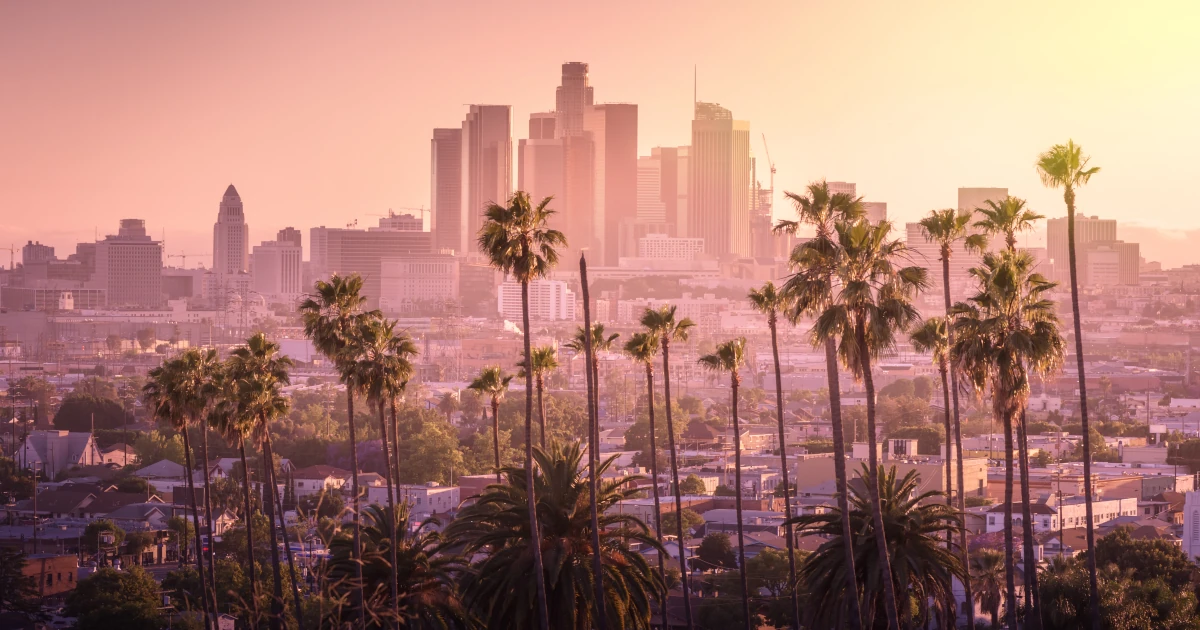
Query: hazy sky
<point x="321" y="113"/>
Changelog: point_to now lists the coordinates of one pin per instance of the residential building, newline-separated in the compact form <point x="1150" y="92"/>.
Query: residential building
<point x="314" y="479"/>
<point x="1072" y="511"/>
<point x="56" y="451"/>
<point x="719" y="182"/>
<point x="231" y="235"/>
<point x="445" y="185"/>
<point x="424" y="500"/>
<point x="486" y="167"/>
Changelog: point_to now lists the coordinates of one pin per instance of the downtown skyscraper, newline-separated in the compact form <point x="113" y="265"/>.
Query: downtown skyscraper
<point x="719" y="185"/>
<point x="486" y="167"/>
<point x="446" y="181"/>
<point x="231" y="235"/>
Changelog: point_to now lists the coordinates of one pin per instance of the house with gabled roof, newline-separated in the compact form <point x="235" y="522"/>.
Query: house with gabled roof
<point x="55" y="451"/>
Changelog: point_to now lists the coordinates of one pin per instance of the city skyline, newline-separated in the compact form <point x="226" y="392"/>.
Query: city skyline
<point x="355" y="151"/>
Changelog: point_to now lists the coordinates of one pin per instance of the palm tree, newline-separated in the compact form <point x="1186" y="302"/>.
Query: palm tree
<point x="517" y="240"/>
<point x="377" y="369"/>
<point x="448" y="403"/>
<point x="425" y="574"/>
<point x="729" y="357"/>
<point x="921" y="569"/>
<point x="662" y="324"/>
<point x="814" y="264"/>
<point x="987" y="570"/>
<point x="946" y="228"/>
<point x="545" y="361"/>
<point x="331" y="316"/>
<point x="1002" y="333"/>
<point x="234" y="418"/>
<point x="1006" y="218"/>
<point x="601" y="342"/>
<point x="770" y="301"/>
<point x="497" y="589"/>
<point x="179" y="392"/>
<point x="872" y="305"/>
<point x="642" y="347"/>
<point x="1064" y="166"/>
<point x="266" y="372"/>
<point x="493" y="383"/>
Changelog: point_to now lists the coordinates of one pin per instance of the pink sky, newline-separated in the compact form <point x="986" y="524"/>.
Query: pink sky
<point x="321" y="113"/>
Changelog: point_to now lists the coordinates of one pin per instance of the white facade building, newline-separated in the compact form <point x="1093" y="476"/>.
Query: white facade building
<point x="1073" y="512"/>
<point x="424" y="500"/>
<point x="663" y="246"/>
<point x="277" y="270"/>
<point x="549" y="300"/>
<point x="1191" y="524"/>
<point x="407" y="282"/>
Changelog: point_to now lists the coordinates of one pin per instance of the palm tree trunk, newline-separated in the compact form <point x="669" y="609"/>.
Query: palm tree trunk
<point x="952" y="606"/>
<point x="391" y="496"/>
<point x="249" y="534"/>
<point x="209" y="616"/>
<point x="535" y="537"/>
<point x="541" y="386"/>
<point x="396" y="445"/>
<point x="1093" y="583"/>
<point x="1010" y="602"/>
<point x="276" y="618"/>
<point x="783" y="466"/>
<point x="683" y="569"/>
<point x="212" y="564"/>
<point x="496" y="434"/>
<point x="662" y="572"/>
<point x="839" y="469"/>
<point x="593" y="449"/>
<point x="1033" y="618"/>
<point x="885" y="560"/>
<point x="968" y="596"/>
<point x="737" y="500"/>
<point x="360" y="600"/>
<point x="295" y="577"/>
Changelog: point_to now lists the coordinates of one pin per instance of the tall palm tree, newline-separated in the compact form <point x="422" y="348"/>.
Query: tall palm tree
<point x="873" y="304"/>
<point x="602" y="341"/>
<point x="770" y="301"/>
<point x="642" y="347"/>
<point x="425" y="572"/>
<point x="922" y="568"/>
<point x="498" y="588"/>
<point x="517" y="240"/>
<point x="179" y="392"/>
<point x="948" y="227"/>
<point x="1003" y="332"/>
<point x="378" y="369"/>
<point x="987" y="569"/>
<point x="266" y="372"/>
<point x="1006" y="218"/>
<point x="1065" y="166"/>
<point x="332" y="316"/>
<point x="545" y="361"/>
<point x="448" y="403"/>
<point x="234" y="418"/>
<point x="662" y="324"/>
<point x="729" y="357"/>
<point x="492" y="382"/>
<point x="813" y="264"/>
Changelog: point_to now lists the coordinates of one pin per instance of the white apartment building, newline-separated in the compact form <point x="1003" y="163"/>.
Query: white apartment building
<point x="1191" y="524"/>
<point x="277" y="270"/>
<point x="424" y="500"/>
<point x="406" y="282"/>
<point x="663" y="246"/>
<point x="1073" y="513"/>
<point x="549" y="300"/>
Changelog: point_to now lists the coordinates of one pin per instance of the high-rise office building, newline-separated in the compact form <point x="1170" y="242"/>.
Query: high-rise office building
<point x="290" y="235"/>
<point x="928" y="254"/>
<point x="612" y="129"/>
<point x="128" y="267"/>
<point x="486" y="167"/>
<point x="231" y="235"/>
<point x="876" y="211"/>
<point x="347" y="251"/>
<point x="650" y="204"/>
<point x="1087" y="230"/>
<point x="571" y="99"/>
<point x="849" y="188"/>
<point x="446" y="188"/>
<point x="35" y="253"/>
<point x="540" y="162"/>
<point x="719" y="183"/>
<point x="277" y="268"/>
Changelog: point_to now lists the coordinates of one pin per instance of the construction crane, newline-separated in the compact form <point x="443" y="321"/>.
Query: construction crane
<point x="183" y="256"/>
<point x="12" y="254"/>
<point x="770" y="165"/>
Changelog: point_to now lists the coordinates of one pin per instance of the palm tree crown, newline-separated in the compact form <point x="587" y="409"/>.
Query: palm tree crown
<point x="1065" y="166"/>
<point x="1006" y="217"/>
<point x="517" y="240"/>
